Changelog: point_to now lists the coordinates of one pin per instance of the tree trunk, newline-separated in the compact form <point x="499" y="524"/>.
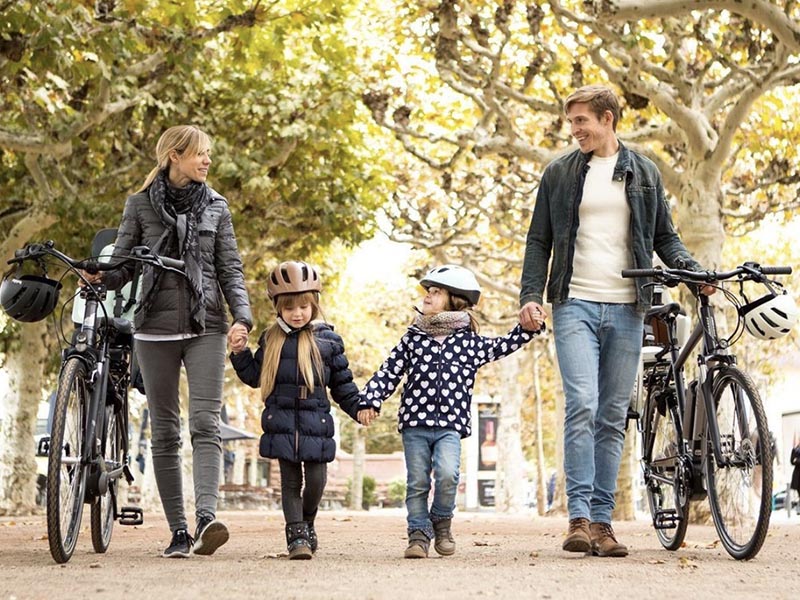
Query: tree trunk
<point x="357" y="483"/>
<point x="541" y="472"/>
<point x="20" y="403"/>
<point x="559" y="506"/>
<point x="625" y="509"/>
<point x="510" y="474"/>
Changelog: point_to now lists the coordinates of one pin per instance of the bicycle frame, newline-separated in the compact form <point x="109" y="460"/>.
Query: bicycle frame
<point x="712" y="357"/>
<point x="95" y="357"/>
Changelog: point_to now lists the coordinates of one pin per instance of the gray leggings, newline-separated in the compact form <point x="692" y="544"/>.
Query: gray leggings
<point x="303" y="506"/>
<point x="204" y="360"/>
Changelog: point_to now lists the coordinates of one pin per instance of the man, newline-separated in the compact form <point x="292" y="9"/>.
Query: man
<point x="600" y="209"/>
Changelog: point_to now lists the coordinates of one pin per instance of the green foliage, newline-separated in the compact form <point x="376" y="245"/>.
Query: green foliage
<point x="368" y="495"/>
<point x="396" y="492"/>
<point x="89" y="87"/>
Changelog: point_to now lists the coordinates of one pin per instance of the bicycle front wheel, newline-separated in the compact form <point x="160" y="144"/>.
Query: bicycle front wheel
<point x="103" y="509"/>
<point x="66" y="476"/>
<point x="739" y="489"/>
<point x="665" y="480"/>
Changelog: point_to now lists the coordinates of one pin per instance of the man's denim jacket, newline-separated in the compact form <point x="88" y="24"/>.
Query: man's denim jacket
<point x="555" y="224"/>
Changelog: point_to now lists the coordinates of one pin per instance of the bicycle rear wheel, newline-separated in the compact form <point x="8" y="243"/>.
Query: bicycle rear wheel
<point x="66" y="476"/>
<point x="740" y="492"/>
<point x="665" y="479"/>
<point x="104" y="507"/>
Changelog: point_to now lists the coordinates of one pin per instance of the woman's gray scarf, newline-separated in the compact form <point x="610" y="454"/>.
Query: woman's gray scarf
<point x="443" y="323"/>
<point x="179" y="210"/>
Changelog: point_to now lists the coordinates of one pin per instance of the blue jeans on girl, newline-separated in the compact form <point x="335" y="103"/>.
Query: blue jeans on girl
<point x="437" y="450"/>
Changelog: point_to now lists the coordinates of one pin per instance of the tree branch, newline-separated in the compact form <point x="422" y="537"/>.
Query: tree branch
<point x="763" y="12"/>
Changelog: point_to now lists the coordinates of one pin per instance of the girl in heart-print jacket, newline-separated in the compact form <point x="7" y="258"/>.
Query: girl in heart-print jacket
<point x="440" y="355"/>
<point x="440" y="375"/>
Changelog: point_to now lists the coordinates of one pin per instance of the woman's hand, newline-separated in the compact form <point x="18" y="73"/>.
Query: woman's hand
<point x="90" y="277"/>
<point x="237" y="337"/>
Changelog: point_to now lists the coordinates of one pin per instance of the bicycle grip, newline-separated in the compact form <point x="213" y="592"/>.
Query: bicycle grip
<point x="172" y="263"/>
<point x="640" y="272"/>
<point x="776" y="270"/>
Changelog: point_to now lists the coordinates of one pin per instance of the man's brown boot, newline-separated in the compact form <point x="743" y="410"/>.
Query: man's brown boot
<point x="604" y="543"/>
<point x="578" y="537"/>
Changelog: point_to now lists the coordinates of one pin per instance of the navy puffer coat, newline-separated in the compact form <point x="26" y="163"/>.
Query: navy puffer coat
<point x="297" y="424"/>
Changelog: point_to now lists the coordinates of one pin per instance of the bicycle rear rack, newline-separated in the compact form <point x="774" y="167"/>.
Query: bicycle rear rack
<point x="666" y="519"/>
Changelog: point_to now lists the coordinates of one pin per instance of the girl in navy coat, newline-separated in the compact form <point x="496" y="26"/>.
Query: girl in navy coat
<point x="439" y="355"/>
<point x="296" y="360"/>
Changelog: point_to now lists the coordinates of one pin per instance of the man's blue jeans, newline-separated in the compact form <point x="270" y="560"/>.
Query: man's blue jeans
<point x="429" y="449"/>
<point x="598" y="347"/>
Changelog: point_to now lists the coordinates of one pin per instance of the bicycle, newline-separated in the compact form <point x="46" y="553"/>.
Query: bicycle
<point x="687" y="456"/>
<point x="87" y="448"/>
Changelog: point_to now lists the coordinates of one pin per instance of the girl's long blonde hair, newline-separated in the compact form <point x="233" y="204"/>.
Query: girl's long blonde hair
<point x="309" y="359"/>
<point x="181" y="138"/>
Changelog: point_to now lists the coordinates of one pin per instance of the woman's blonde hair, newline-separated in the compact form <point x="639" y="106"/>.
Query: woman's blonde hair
<point x="309" y="359"/>
<point x="458" y="303"/>
<point x="181" y="138"/>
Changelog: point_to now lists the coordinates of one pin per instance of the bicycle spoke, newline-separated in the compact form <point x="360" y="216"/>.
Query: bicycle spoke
<point x="66" y="476"/>
<point x="740" y="487"/>
<point x="667" y="498"/>
<point x="102" y="512"/>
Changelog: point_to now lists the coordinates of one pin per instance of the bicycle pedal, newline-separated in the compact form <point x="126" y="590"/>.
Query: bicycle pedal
<point x="126" y="471"/>
<point x="666" y="519"/>
<point x="43" y="448"/>
<point x="131" y="515"/>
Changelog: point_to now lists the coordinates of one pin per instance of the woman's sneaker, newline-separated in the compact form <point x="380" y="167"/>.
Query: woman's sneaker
<point x="209" y="536"/>
<point x="181" y="545"/>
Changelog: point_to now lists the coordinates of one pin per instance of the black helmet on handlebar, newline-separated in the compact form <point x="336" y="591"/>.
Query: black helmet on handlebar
<point x="770" y="317"/>
<point x="28" y="298"/>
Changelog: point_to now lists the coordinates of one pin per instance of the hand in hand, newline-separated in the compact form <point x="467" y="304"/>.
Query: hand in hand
<point x="237" y="337"/>
<point x="367" y="416"/>
<point x="532" y="316"/>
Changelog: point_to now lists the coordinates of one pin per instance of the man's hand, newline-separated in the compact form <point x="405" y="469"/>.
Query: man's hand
<point x="531" y="316"/>
<point x="708" y="290"/>
<point x="237" y="337"/>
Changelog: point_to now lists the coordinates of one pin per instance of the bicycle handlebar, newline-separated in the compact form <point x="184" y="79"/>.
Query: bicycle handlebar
<point x="751" y="271"/>
<point x="91" y="265"/>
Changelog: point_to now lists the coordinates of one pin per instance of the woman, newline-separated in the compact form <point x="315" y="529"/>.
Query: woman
<point x="183" y="321"/>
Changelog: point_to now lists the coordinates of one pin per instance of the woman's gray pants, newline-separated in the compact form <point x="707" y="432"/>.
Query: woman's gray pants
<point x="204" y="360"/>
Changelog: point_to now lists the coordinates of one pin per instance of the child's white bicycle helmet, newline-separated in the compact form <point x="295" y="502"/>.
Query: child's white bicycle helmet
<point x="770" y="317"/>
<point x="456" y="280"/>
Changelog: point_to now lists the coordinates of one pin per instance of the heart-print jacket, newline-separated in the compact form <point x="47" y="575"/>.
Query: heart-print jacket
<point x="440" y="376"/>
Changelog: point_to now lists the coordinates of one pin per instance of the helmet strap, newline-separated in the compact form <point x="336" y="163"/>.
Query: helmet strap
<point x="287" y="329"/>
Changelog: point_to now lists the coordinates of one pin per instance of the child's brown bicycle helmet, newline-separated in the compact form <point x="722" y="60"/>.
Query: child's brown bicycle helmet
<point x="292" y="277"/>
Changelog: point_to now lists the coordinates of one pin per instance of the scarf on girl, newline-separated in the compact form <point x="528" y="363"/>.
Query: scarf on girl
<point x="443" y="323"/>
<point x="179" y="210"/>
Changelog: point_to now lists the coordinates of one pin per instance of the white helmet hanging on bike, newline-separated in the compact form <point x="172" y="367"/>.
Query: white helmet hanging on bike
<point x="770" y="317"/>
<point x="456" y="280"/>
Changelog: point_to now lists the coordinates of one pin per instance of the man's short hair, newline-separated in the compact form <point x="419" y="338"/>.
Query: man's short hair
<point x="599" y="98"/>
